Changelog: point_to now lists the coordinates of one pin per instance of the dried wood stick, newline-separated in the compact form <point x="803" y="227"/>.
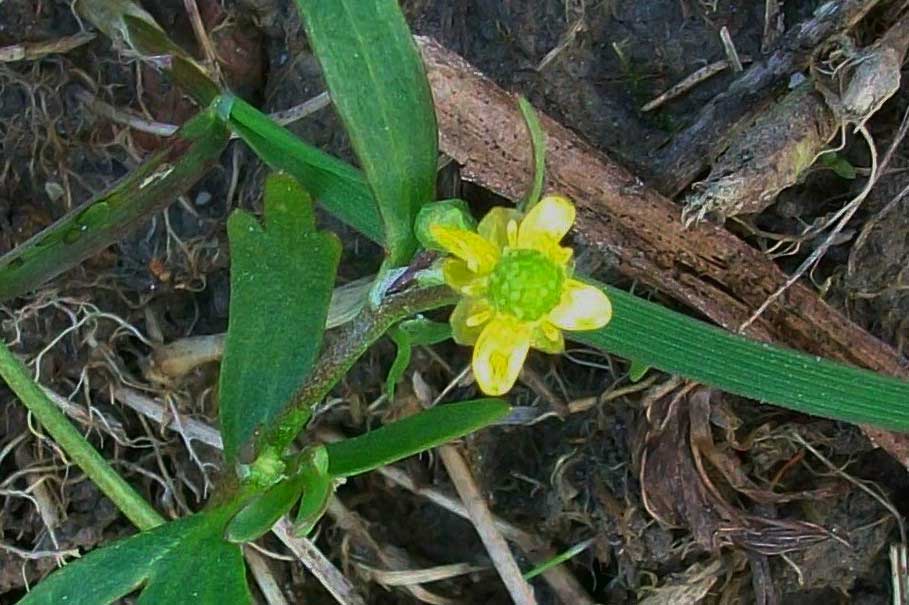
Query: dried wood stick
<point x="482" y="519"/>
<point x="689" y="82"/>
<point x="265" y="579"/>
<point x="704" y="267"/>
<point x="318" y="564"/>
<point x="769" y="156"/>
<point x="353" y="524"/>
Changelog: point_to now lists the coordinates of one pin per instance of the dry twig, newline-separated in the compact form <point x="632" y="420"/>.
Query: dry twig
<point x="323" y="569"/>
<point x="690" y="81"/>
<point x="265" y="579"/>
<point x="718" y="122"/>
<point x="498" y="550"/>
<point x="30" y="51"/>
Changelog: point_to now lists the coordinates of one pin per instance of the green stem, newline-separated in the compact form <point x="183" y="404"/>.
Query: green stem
<point x="340" y="353"/>
<point x="136" y="509"/>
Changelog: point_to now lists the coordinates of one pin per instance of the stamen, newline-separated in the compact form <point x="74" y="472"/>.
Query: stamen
<point x="511" y="231"/>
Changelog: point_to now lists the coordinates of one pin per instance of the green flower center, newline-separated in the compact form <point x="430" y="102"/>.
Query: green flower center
<point x="526" y="284"/>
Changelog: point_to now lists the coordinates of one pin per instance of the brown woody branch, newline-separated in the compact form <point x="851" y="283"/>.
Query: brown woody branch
<point x="704" y="266"/>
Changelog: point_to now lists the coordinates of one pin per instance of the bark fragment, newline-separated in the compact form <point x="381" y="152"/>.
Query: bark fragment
<point x="769" y="156"/>
<point x="714" y="129"/>
<point x="704" y="267"/>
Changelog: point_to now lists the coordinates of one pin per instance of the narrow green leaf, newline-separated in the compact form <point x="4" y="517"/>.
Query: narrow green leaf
<point x="337" y="186"/>
<point x="403" y="353"/>
<point x="264" y="510"/>
<point x="425" y="332"/>
<point x="637" y="371"/>
<point x="839" y="165"/>
<point x="379" y="88"/>
<point x="412" y="435"/>
<point x="184" y="561"/>
<point x="281" y="284"/>
<point x="558" y="559"/>
<point x="318" y="492"/>
<point x="675" y="343"/>
<point x="538" y="145"/>
<point x="97" y="224"/>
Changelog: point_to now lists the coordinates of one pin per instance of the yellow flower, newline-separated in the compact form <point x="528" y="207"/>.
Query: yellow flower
<point x="517" y="287"/>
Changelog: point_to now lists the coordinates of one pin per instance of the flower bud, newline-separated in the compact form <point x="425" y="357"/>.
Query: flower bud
<point x="449" y="213"/>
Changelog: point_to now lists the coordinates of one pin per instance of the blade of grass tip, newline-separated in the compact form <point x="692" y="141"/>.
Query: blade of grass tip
<point x="538" y="145"/>
<point x="126" y="22"/>
<point x="337" y="186"/>
<point x="558" y="559"/>
<point x="95" y="225"/>
<point x="379" y="88"/>
<point x="674" y="343"/>
<point x="136" y="509"/>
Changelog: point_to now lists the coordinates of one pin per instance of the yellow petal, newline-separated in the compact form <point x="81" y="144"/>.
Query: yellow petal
<point x="583" y="307"/>
<point x="458" y="275"/>
<point x="547" y="338"/>
<point x="494" y="226"/>
<point x="499" y="354"/>
<point x="546" y="223"/>
<point x="479" y="254"/>
<point x="465" y="320"/>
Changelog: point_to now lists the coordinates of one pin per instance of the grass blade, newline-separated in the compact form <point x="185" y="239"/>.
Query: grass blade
<point x="93" y="226"/>
<point x="655" y="336"/>
<point x="379" y="88"/>
<point x="412" y="435"/>
<point x="337" y="186"/>
<point x="126" y="22"/>
<point x="538" y="145"/>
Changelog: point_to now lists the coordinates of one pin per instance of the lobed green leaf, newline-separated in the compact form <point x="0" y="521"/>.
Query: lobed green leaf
<point x="281" y="283"/>
<point x="184" y="561"/>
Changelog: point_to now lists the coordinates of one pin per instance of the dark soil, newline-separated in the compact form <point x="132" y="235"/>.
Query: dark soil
<point x="763" y="515"/>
